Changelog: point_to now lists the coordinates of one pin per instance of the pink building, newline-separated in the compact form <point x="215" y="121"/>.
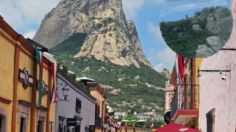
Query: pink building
<point x="217" y="110"/>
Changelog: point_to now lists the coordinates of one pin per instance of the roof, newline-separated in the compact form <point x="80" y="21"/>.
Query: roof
<point x="24" y="44"/>
<point x="173" y="76"/>
<point x="93" y="85"/>
<point x="14" y="35"/>
<point x="84" y="79"/>
<point x="36" y="44"/>
<point x="72" y="81"/>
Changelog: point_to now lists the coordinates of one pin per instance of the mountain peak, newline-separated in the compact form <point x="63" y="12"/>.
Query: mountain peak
<point x="94" y="39"/>
<point x="109" y="36"/>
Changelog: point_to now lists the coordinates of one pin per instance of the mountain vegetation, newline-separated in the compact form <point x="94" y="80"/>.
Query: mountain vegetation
<point x="94" y="39"/>
<point x="200" y="35"/>
<point x="127" y="87"/>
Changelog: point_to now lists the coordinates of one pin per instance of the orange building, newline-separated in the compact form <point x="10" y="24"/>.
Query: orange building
<point x="19" y="107"/>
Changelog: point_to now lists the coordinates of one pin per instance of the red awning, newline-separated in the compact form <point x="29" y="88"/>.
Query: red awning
<point x="172" y="127"/>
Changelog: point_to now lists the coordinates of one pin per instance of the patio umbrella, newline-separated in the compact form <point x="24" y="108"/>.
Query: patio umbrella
<point x="172" y="127"/>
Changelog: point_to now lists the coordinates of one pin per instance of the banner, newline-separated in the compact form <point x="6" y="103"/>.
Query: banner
<point x="54" y="97"/>
<point x="39" y="56"/>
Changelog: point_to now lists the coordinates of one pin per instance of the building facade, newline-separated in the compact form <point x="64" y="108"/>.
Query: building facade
<point x="170" y="90"/>
<point x="101" y="105"/>
<point x="217" y="87"/>
<point x="182" y="97"/>
<point x="24" y="107"/>
<point x="75" y="108"/>
<point x="101" y="112"/>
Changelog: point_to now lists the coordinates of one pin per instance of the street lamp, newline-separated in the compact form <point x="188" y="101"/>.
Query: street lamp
<point x="65" y="92"/>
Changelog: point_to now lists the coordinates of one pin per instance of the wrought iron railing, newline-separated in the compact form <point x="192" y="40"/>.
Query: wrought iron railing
<point x="181" y="100"/>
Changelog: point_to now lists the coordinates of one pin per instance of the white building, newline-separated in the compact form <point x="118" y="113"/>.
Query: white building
<point x="217" y="110"/>
<point x="75" y="112"/>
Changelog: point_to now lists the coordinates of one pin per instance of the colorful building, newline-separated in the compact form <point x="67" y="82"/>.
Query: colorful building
<point x="217" y="83"/>
<point x="182" y="92"/>
<point x="101" y="103"/>
<point x="24" y="107"/>
<point x="101" y="113"/>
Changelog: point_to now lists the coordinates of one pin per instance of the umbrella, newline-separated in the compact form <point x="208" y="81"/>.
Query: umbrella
<point x="172" y="127"/>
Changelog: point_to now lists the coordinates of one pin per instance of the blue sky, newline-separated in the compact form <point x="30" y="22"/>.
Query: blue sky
<point x="25" y="17"/>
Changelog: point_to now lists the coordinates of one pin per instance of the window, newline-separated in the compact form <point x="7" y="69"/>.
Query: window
<point x="61" y="126"/>
<point x="91" y="128"/>
<point x="211" y="121"/>
<point x="52" y="125"/>
<point x="78" y="106"/>
<point x="86" y="129"/>
<point x="97" y="110"/>
<point x="40" y="126"/>
<point x="22" y="124"/>
<point x="73" y="129"/>
<point x="2" y="123"/>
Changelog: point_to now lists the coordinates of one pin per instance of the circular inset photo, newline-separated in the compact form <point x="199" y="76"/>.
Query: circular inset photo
<point x="197" y="32"/>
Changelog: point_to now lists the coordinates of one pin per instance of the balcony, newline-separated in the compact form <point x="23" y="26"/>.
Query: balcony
<point x="183" y="109"/>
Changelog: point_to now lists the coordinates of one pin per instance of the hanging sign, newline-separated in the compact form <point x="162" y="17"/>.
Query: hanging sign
<point x="45" y="88"/>
<point x="25" y="78"/>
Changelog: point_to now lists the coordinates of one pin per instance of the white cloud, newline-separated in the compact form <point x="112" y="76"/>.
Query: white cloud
<point x="29" y="34"/>
<point x="158" y="2"/>
<point x="160" y="58"/>
<point x="24" y="14"/>
<point x="155" y="29"/>
<point x="164" y="58"/>
<point x="131" y="7"/>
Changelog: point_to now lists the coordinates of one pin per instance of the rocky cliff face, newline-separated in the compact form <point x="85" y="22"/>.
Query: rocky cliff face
<point x="92" y="38"/>
<point x="109" y="36"/>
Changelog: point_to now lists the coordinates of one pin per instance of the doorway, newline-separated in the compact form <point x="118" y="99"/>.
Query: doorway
<point x="22" y="124"/>
<point x="2" y="123"/>
<point x="40" y="126"/>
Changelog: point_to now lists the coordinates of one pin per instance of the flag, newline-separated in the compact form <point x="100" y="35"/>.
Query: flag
<point x="180" y="66"/>
<point x="180" y="74"/>
<point x="54" y="97"/>
<point x="54" y="86"/>
<point x="40" y="61"/>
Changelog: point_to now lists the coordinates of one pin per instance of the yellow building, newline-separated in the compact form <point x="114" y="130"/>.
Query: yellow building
<point x="19" y="109"/>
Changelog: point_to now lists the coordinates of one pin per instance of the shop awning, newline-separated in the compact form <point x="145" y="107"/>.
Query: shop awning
<point x="184" y="116"/>
<point x="172" y="127"/>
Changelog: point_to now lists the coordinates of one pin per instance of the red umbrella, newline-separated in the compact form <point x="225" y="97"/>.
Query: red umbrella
<point x="172" y="127"/>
